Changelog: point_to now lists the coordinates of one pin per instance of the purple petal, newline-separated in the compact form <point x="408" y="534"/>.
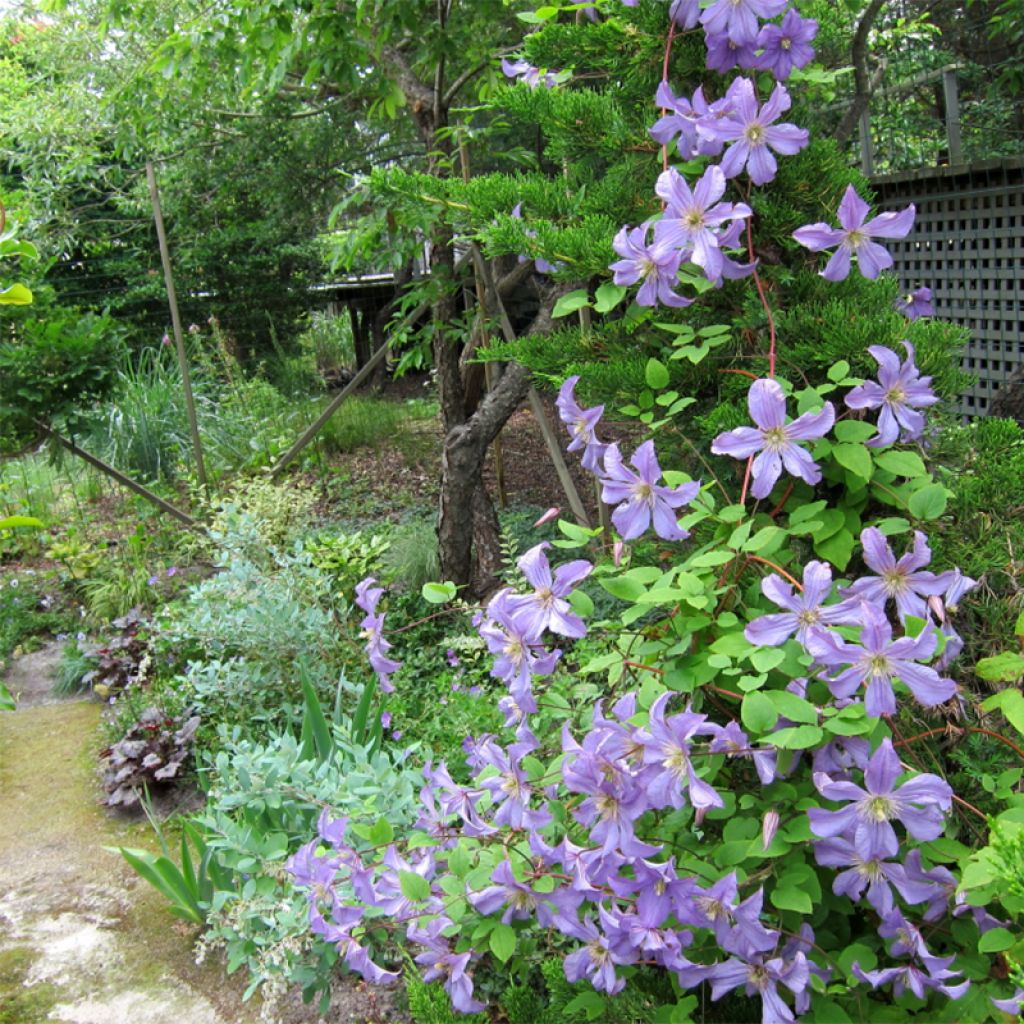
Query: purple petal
<point x="891" y="225"/>
<point x="767" y="404"/>
<point x="852" y="209"/>
<point x="838" y="267"/>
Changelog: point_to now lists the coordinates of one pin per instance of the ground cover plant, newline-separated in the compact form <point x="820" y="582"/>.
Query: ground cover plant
<point x="749" y="810"/>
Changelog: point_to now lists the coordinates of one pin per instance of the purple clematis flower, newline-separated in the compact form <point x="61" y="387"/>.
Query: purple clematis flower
<point x="762" y="978"/>
<point x="724" y="54"/>
<point x="738" y="19"/>
<point x="775" y="439"/>
<point x="523" y="71"/>
<point x="596" y="960"/>
<point x="1013" y="1005"/>
<point x="666" y="744"/>
<point x="912" y="977"/>
<point x="581" y="424"/>
<point x="804" y="612"/>
<point x="854" y="238"/>
<point x="639" y="497"/>
<point x="547" y="607"/>
<point x="512" y="635"/>
<point x="877" y="660"/>
<point x="788" y="45"/>
<point x="685" y="13"/>
<point x="919" y="804"/>
<point x="905" y="581"/>
<point x="753" y="132"/>
<point x="916" y="304"/>
<point x="876" y="875"/>
<point x="691" y="215"/>
<point x="684" y="120"/>
<point x="367" y="597"/>
<point x="438" y="961"/>
<point x="656" y="265"/>
<point x="899" y="392"/>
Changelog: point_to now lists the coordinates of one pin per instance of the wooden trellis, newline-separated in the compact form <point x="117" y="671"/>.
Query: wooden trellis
<point x="968" y="247"/>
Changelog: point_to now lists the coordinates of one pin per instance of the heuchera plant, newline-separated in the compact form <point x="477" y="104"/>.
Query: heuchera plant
<point x="744" y="810"/>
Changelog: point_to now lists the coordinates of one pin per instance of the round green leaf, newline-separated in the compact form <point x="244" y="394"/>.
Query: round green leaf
<point x="758" y="713"/>
<point x="929" y="502"/>
<point x="656" y="374"/>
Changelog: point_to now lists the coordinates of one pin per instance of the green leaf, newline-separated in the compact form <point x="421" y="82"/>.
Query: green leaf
<point x="799" y="737"/>
<point x="785" y="898"/>
<point x="893" y="525"/>
<point x="996" y="940"/>
<point x="790" y="706"/>
<point x="571" y="302"/>
<point x="503" y="942"/>
<point x="6" y="700"/>
<point x="608" y="296"/>
<point x="591" y="1003"/>
<point x="1006" y="667"/>
<point x="381" y="832"/>
<point x="15" y="522"/>
<point x="656" y="374"/>
<point x="859" y="954"/>
<point x="314" y="717"/>
<point x="837" y="549"/>
<point x="767" y="658"/>
<point x="438" y="593"/>
<point x="902" y="463"/>
<point x="838" y="373"/>
<point x="758" y="712"/>
<point x="854" y="457"/>
<point x="853" y="431"/>
<point x="622" y="587"/>
<point x="15" y="295"/>
<point x="414" y="887"/>
<point x="1011" y="703"/>
<point x="929" y="502"/>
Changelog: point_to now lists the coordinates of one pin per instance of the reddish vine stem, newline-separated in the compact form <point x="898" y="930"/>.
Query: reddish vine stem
<point x="664" y="77"/>
<point x="778" y="568"/>
<point x="782" y="501"/>
<point x="965" y="728"/>
<point x="742" y="373"/>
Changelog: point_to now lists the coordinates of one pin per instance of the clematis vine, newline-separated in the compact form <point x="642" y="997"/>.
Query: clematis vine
<point x="904" y="580"/>
<point x="916" y="304"/>
<point x="804" y="611"/>
<point x="657" y="265"/>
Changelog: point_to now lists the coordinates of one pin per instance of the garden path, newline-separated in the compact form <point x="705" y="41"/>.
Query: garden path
<point x="82" y="940"/>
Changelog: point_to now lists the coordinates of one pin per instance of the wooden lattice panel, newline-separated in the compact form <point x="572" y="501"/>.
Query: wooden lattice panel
<point x="968" y="247"/>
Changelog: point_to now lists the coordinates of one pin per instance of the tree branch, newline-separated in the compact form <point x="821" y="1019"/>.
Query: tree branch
<point x="861" y="79"/>
<point x="466" y="76"/>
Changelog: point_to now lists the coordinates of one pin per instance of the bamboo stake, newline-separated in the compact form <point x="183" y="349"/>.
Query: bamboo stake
<point x="318" y="424"/>
<point x="179" y="338"/>
<point x="119" y="477"/>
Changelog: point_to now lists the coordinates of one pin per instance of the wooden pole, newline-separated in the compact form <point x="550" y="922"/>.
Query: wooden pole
<point x="119" y="477"/>
<point x="179" y="338"/>
<point x="537" y="407"/>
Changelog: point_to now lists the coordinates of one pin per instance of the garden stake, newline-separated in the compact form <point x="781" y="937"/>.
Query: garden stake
<point x="179" y="339"/>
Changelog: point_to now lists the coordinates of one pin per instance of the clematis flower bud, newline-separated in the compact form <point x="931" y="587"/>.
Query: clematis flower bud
<point x="769" y="826"/>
